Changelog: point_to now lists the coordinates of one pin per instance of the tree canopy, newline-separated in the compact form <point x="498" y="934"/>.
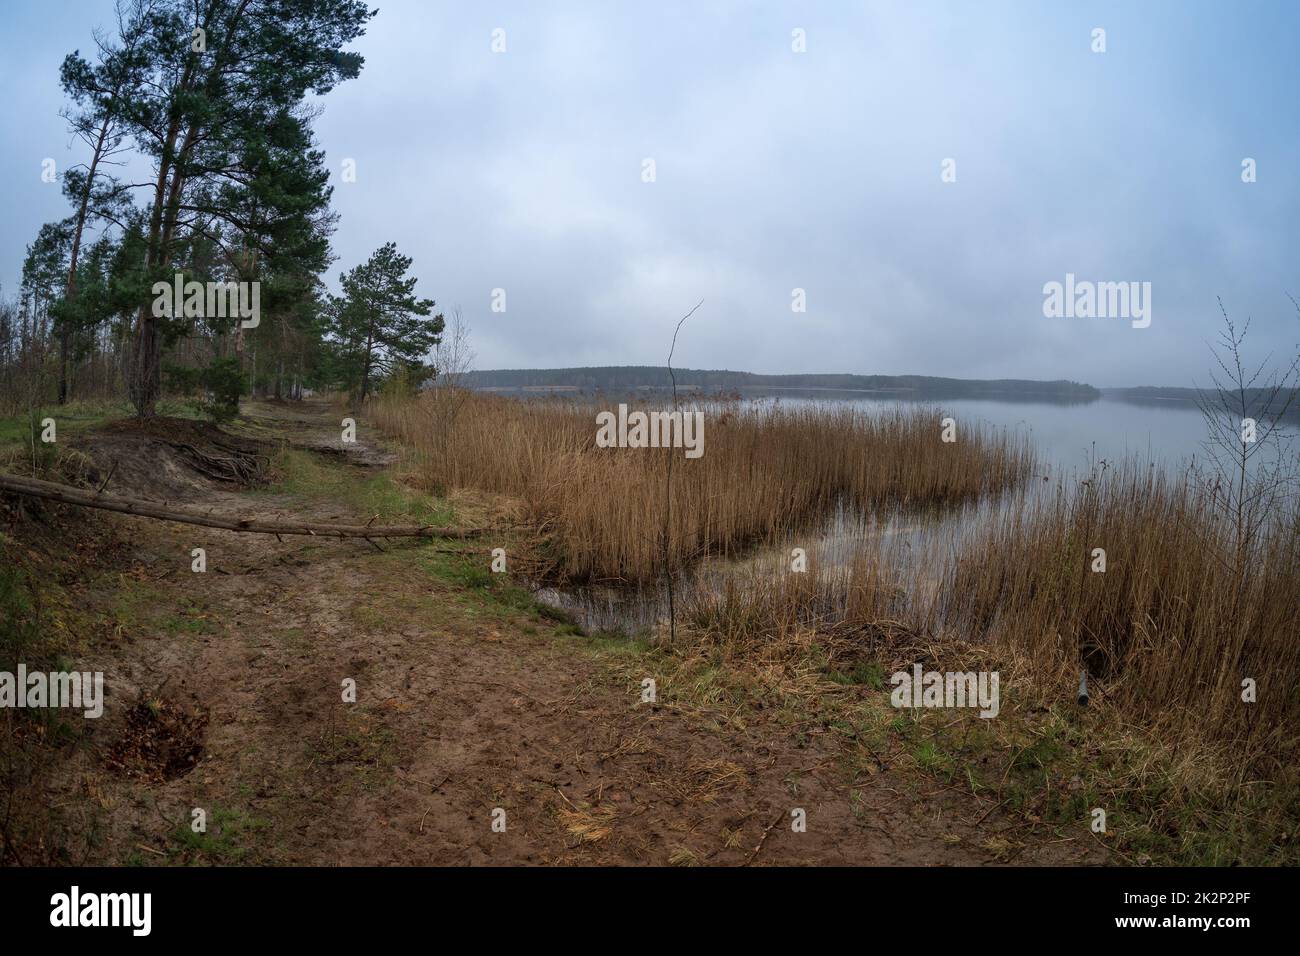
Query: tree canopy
<point x="220" y="97"/>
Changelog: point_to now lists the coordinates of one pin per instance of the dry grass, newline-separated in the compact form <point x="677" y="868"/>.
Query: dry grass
<point x="586" y="823"/>
<point x="1172" y="627"/>
<point x="765" y="472"/>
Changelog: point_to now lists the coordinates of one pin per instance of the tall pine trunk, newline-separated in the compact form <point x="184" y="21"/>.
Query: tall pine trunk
<point x="70" y="289"/>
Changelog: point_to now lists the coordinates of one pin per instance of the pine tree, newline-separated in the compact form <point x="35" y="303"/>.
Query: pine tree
<point x="96" y="117"/>
<point x="379" y="324"/>
<point x="222" y="71"/>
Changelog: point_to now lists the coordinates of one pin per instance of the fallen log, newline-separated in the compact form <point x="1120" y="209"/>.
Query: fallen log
<point x="83" y="498"/>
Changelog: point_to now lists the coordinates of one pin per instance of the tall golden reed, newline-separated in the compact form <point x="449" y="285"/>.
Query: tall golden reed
<point x="765" y="471"/>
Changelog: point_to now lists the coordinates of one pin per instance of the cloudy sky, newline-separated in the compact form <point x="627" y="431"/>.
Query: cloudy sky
<point x="821" y="170"/>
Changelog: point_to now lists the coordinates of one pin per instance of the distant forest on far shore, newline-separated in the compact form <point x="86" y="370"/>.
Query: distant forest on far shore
<point x="625" y="377"/>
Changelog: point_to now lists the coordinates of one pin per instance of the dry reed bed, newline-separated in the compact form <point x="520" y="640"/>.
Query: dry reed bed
<point x="1184" y="612"/>
<point x="1168" y="631"/>
<point x="765" y="472"/>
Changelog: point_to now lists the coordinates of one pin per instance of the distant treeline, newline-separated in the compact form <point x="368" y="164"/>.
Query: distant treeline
<point x="624" y="377"/>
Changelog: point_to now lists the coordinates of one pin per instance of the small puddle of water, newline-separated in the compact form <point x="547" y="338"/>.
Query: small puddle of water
<point x="904" y="542"/>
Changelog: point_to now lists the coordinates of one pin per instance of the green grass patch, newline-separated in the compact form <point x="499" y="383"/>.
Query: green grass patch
<point x="226" y="839"/>
<point x="864" y="673"/>
<point x="138" y="606"/>
<point x="312" y="477"/>
<point x="494" y="594"/>
<point x="74" y="418"/>
<point x="1057" y="766"/>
